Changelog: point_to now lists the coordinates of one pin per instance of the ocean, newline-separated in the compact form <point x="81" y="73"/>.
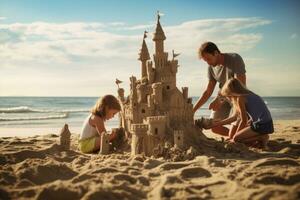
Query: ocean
<point x="21" y="115"/>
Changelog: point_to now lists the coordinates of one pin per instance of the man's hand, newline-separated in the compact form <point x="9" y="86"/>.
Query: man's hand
<point x="206" y="94"/>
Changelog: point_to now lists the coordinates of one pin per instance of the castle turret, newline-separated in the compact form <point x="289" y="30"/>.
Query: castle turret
<point x="65" y="137"/>
<point x="157" y="126"/>
<point x="139" y="131"/>
<point x="160" y="57"/>
<point x="150" y="72"/>
<point x="144" y="56"/>
<point x="158" y="38"/>
<point x="157" y="93"/>
<point x="104" y="147"/>
<point x="178" y="138"/>
<point x="133" y="91"/>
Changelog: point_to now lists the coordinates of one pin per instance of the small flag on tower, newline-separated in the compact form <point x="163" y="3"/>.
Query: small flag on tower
<point x="118" y="82"/>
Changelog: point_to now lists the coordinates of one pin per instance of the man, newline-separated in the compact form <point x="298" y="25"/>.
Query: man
<point x="222" y="66"/>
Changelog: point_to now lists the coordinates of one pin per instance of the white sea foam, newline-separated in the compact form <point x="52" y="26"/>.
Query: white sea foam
<point x="26" y="109"/>
<point x="75" y="110"/>
<point x="57" y="116"/>
<point x="19" y="109"/>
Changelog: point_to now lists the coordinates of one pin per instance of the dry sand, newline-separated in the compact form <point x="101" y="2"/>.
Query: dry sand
<point x="37" y="168"/>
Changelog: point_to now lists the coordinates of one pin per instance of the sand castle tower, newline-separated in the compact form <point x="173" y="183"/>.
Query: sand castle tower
<point x="65" y="137"/>
<point x="104" y="147"/>
<point x="156" y="111"/>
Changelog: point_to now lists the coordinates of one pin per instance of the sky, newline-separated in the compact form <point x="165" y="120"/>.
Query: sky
<point x="79" y="48"/>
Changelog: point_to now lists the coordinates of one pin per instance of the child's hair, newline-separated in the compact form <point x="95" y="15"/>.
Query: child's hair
<point x="107" y="101"/>
<point x="233" y="87"/>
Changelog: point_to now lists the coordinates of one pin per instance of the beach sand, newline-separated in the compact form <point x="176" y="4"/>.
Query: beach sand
<point x="37" y="168"/>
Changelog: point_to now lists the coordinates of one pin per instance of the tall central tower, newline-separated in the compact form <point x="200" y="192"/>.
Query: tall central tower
<point x="159" y="37"/>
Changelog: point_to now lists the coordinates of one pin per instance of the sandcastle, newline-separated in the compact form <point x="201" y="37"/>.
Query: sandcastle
<point x="104" y="147"/>
<point x="157" y="113"/>
<point x="65" y="137"/>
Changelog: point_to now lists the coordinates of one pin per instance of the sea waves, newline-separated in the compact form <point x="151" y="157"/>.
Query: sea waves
<point x="26" y="109"/>
<point x="53" y="116"/>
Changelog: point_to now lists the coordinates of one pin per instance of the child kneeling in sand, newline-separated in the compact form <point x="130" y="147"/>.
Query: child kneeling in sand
<point x="90" y="136"/>
<point x="252" y="132"/>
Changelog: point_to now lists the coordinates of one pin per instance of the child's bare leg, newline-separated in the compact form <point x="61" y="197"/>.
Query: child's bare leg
<point x="261" y="138"/>
<point x="264" y="141"/>
<point x="245" y="135"/>
<point x="221" y="130"/>
<point x="251" y="138"/>
<point x="257" y="141"/>
<point x="97" y="144"/>
<point x="232" y="131"/>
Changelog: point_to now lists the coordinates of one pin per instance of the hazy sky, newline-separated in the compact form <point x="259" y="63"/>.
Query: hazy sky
<point x="78" y="48"/>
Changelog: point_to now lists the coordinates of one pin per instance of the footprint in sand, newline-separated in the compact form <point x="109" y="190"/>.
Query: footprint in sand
<point x="269" y="162"/>
<point x="58" y="191"/>
<point x="143" y="180"/>
<point x="194" y="172"/>
<point x="271" y="171"/>
<point x="81" y="177"/>
<point x="46" y="173"/>
<point x="273" y="179"/>
<point x="219" y="189"/>
<point x="152" y="163"/>
<point x="170" y="166"/>
<point x="24" y="183"/>
<point x="124" y="177"/>
<point x="7" y="178"/>
<point x="105" y="170"/>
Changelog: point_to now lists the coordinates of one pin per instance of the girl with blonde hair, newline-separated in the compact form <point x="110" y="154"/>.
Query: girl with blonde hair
<point x="104" y="109"/>
<point x="254" y="121"/>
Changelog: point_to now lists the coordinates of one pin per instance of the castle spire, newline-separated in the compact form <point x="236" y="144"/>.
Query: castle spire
<point x="159" y="33"/>
<point x="159" y="37"/>
<point x="144" y="55"/>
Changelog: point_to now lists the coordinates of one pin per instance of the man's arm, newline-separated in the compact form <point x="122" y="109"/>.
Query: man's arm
<point x="225" y="121"/>
<point x="99" y="125"/>
<point x="206" y="94"/>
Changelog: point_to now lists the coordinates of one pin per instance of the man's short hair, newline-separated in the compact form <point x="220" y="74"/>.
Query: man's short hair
<point x="208" y="47"/>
